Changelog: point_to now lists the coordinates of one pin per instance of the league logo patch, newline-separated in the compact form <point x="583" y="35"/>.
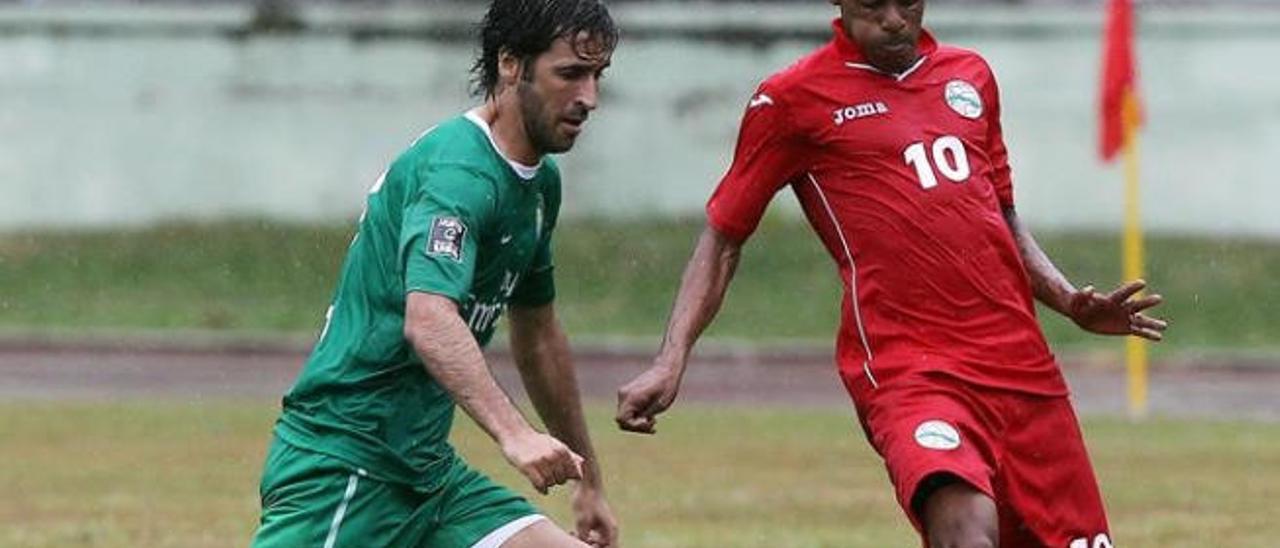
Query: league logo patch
<point x="446" y="238"/>
<point x="937" y="435"/>
<point x="963" y="98"/>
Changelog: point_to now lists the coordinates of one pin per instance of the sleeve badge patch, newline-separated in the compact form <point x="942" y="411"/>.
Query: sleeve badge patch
<point x="446" y="238"/>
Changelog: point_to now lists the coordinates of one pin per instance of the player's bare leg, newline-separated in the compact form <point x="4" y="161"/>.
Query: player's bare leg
<point x="543" y="534"/>
<point x="958" y="516"/>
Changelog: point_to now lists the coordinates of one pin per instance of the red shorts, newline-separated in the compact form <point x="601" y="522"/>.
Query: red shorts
<point x="1024" y="451"/>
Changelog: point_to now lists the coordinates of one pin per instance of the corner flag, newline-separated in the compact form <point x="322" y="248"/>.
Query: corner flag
<point x="1120" y="107"/>
<point x="1120" y="116"/>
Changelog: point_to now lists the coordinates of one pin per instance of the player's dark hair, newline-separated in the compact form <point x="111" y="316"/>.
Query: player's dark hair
<point x="526" y="29"/>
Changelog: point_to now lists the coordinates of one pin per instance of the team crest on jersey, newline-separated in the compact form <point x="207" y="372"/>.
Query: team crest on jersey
<point x="963" y="98"/>
<point x="446" y="238"/>
<point x="935" y="434"/>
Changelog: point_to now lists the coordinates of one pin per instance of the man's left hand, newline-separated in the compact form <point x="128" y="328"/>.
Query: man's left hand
<point x="596" y="525"/>
<point x="1118" y="312"/>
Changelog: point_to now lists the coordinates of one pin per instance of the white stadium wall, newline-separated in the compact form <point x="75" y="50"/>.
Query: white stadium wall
<point x="127" y="117"/>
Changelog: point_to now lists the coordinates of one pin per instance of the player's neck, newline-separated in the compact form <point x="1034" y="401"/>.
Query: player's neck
<point x="507" y="125"/>
<point x="896" y="70"/>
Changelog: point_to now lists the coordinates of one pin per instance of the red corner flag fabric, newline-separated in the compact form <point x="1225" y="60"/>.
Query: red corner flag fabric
<point x="1119" y="77"/>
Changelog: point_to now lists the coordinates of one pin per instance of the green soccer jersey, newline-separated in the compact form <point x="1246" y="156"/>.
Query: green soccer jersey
<point x="453" y="217"/>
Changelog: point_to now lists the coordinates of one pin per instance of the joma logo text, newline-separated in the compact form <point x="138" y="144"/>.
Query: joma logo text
<point x="862" y="110"/>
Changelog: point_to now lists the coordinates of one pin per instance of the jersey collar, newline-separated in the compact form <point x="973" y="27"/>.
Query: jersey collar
<point x="853" y="57"/>
<point x="525" y="172"/>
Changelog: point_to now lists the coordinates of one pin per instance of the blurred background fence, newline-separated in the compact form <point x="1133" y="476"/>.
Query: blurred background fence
<point x="124" y="114"/>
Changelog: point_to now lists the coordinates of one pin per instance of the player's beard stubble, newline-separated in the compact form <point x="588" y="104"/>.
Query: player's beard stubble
<point x="540" y="124"/>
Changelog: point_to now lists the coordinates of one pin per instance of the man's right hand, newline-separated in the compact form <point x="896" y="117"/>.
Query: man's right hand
<point x="641" y="400"/>
<point x="543" y="459"/>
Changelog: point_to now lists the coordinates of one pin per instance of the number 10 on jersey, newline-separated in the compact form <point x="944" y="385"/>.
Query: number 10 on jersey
<point x="948" y="157"/>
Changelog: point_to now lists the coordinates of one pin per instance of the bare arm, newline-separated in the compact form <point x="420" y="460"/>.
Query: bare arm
<point x="541" y="352"/>
<point x="702" y="289"/>
<point x="1116" y="313"/>
<point x="1048" y="284"/>
<point x="452" y="357"/>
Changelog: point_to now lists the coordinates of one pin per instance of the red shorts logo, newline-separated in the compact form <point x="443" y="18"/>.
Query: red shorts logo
<point x="938" y="435"/>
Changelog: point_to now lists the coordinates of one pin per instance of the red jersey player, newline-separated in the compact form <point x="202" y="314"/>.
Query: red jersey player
<point x="892" y="143"/>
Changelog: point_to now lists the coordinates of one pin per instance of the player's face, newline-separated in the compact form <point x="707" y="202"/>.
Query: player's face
<point x="560" y="91"/>
<point x="887" y="31"/>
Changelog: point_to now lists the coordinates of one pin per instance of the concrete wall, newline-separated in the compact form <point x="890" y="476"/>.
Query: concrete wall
<point x="114" y="117"/>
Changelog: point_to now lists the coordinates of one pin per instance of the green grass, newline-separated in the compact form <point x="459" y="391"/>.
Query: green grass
<point x="152" y="474"/>
<point x="615" y="278"/>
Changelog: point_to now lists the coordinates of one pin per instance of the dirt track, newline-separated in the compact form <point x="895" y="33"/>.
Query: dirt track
<point x="109" y="371"/>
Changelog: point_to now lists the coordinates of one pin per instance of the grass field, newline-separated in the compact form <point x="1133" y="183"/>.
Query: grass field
<point x="184" y="474"/>
<point x="614" y="278"/>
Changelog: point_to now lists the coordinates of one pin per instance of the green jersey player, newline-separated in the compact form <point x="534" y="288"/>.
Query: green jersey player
<point x="457" y="230"/>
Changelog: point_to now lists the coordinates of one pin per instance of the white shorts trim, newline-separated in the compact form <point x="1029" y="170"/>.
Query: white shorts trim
<point x="504" y="533"/>
<point x="853" y="269"/>
<point x="342" y="509"/>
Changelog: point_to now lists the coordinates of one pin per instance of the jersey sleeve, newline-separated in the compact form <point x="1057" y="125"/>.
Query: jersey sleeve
<point x="765" y="159"/>
<point x="1001" y="173"/>
<point x="441" y="231"/>
<point x="538" y="287"/>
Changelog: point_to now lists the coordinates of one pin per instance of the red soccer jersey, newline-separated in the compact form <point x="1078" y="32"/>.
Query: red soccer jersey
<point x="904" y="178"/>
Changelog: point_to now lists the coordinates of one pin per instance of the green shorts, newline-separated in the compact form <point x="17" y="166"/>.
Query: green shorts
<point x="315" y="500"/>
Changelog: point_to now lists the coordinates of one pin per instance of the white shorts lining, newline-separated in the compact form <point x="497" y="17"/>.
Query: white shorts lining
<point x="504" y="533"/>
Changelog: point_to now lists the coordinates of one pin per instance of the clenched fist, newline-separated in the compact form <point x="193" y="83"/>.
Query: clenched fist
<point x="543" y="459"/>
<point x="641" y="400"/>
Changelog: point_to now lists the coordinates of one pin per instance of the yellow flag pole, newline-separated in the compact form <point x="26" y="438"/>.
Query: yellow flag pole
<point x="1135" y="347"/>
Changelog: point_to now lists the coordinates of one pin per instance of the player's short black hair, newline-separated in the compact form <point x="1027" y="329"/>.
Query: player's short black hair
<point x="526" y="29"/>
